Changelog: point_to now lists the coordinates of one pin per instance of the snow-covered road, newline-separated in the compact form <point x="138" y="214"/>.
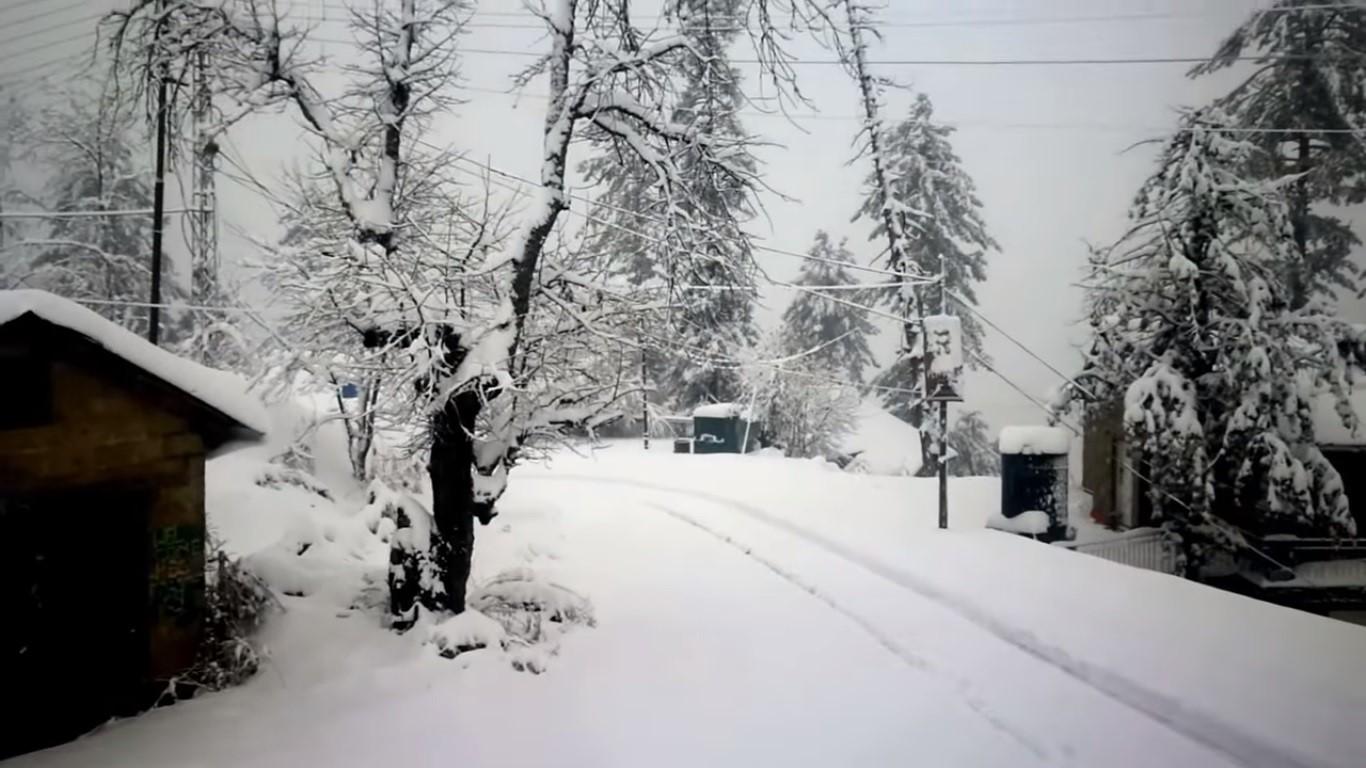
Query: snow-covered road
<point x="751" y="612"/>
<point x="1055" y="711"/>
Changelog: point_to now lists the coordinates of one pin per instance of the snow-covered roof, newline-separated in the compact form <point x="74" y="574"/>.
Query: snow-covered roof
<point x="219" y="390"/>
<point x="1035" y="440"/>
<point x="721" y="411"/>
<point x="1328" y="428"/>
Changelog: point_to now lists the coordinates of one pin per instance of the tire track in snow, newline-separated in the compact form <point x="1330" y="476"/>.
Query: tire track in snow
<point x="1226" y="738"/>
<point x="885" y="640"/>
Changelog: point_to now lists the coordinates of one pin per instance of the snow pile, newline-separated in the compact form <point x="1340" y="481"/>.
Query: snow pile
<point x="1324" y="574"/>
<point x="1030" y="523"/>
<point x="881" y="443"/>
<point x="292" y="531"/>
<point x="224" y="392"/>
<point x="468" y="631"/>
<point x="722" y="411"/>
<point x="1035" y="440"/>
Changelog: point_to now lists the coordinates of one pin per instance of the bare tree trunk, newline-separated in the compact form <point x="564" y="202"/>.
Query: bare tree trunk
<point x="897" y="242"/>
<point x="451" y="469"/>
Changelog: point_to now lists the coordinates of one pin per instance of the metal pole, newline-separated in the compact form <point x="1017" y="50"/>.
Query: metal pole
<point x="943" y="410"/>
<point x="943" y="465"/>
<point x="158" y="202"/>
<point x="644" y="401"/>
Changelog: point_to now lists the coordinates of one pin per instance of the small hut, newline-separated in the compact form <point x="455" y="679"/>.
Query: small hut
<point x="724" y="428"/>
<point x="103" y="438"/>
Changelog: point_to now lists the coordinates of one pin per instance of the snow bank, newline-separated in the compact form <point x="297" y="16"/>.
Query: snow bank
<point x="1035" y="440"/>
<point x="294" y="532"/>
<point x="1030" y="523"/>
<point x="721" y="411"/>
<point x="884" y="444"/>
<point x="222" y="391"/>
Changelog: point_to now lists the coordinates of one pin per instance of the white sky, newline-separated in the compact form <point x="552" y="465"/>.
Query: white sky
<point x="1045" y="144"/>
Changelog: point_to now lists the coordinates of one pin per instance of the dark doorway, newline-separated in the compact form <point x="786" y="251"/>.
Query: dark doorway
<point x="73" y="645"/>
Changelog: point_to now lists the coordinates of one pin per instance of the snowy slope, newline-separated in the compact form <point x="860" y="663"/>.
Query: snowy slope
<point x="754" y="610"/>
<point x="1252" y="678"/>
<point x="885" y="444"/>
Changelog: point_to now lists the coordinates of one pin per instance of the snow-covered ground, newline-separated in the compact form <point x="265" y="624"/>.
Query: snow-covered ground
<point x="754" y="611"/>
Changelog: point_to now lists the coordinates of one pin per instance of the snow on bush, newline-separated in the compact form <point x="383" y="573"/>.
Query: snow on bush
<point x="465" y="632"/>
<point x="237" y="604"/>
<point x="532" y="612"/>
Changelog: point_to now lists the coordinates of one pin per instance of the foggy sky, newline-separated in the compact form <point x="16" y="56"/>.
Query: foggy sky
<point x="1046" y="145"/>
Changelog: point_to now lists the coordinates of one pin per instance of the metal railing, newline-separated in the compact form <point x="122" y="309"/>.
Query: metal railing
<point x="1147" y="548"/>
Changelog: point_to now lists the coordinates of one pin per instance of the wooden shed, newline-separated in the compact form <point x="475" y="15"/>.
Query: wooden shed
<point x="103" y="438"/>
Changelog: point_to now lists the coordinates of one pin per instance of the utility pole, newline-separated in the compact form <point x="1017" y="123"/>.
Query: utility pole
<point x="204" y="271"/>
<point x="158" y="192"/>
<point x="644" y="400"/>
<point x="943" y="410"/>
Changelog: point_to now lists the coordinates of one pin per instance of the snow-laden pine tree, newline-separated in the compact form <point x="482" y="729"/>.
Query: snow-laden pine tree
<point x="837" y="331"/>
<point x="923" y="174"/>
<point x="685" y="239"/>
<point x="973" y="447"/>
<point x="1194" y="334"/>
<point x="89" y="146"/>
<point x="1304" y="107"/>
<point x="13" y="125"/>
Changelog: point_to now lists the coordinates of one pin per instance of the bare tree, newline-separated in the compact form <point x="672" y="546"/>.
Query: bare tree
<point x="497" y="374"/>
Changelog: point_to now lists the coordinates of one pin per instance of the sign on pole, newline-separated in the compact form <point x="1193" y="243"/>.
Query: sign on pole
<point x="944" y="348"/>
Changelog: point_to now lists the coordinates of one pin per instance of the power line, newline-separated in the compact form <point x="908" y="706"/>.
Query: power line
<point x="88" y="214"/>
<point x="650" y="219"/>
<point x="43" y="14"/>
<point x="964" y="303"/>
<point x="50" y="44"/>
<point x="895" y="22"/>
<point x="961" y="124"/>
<point x="1080" y="61"/>
<point x="20" y="4"/>
<point x="50" y="28"/>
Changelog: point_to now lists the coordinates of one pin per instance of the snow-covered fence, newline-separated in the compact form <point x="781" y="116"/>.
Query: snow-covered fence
<point x="1147" y="548"/>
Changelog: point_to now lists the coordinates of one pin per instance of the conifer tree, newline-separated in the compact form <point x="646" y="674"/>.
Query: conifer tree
<point x="926" y="177"/>
<point x="1304" y="107"/>
<point x="838" y="331"/>
<point x="1194" y="333"/>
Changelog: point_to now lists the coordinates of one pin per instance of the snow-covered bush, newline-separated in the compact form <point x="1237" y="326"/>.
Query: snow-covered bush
<point x="803" y="411"/>
<point x="236" y="605"/>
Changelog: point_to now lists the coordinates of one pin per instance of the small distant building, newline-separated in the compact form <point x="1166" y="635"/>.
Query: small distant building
<point x="724" y="428"/>
<point x="103" y="438"/>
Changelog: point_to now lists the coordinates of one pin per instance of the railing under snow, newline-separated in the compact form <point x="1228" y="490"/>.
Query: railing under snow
<point x="1147" y="548"/>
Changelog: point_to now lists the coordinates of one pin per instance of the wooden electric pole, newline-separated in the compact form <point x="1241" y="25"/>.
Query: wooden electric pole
<point x="158" y="194"/>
